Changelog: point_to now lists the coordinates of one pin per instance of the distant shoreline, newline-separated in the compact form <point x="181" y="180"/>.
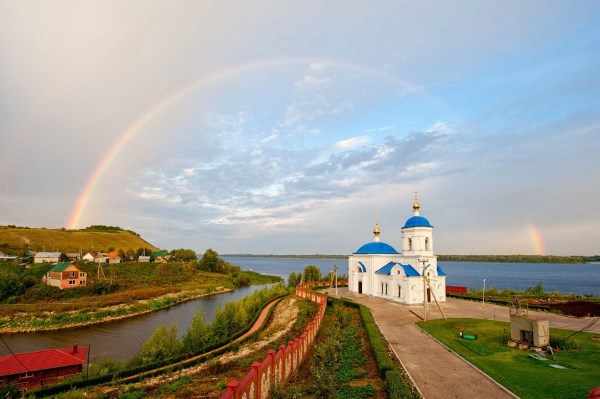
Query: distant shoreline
<point x="456" y="258"/>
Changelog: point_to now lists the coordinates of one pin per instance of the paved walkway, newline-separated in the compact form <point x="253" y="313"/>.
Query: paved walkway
<point x="437" y="372"/>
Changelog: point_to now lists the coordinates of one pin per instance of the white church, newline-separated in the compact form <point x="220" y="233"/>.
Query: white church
<point x="410" y="277"/>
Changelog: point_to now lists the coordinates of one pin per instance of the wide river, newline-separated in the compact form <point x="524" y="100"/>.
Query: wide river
<point x="566" y="278"/>
<point x="122" y="339"/>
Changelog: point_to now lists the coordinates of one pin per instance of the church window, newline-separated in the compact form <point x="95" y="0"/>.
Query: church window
<point x="386" y="288"/>
<point x="399" y="291"/>
<point x="426" y="243"/>
<point x="410" y="244"/>
<point x="382" y="288"/>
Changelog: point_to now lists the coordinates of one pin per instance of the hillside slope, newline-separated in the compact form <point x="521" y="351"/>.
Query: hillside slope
<point x="14" y="239"/>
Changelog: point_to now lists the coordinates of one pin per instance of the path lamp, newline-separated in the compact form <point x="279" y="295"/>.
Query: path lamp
<point x="335" y="269"/>
<point x="424" y="289"/>
<point x="483" y="295"/>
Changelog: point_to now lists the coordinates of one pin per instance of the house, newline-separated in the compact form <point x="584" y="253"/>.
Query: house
<point x="33" y="370"/>
<point x="113" y="257"/>
<point x="65" y="275"/>
<point x="6" y="258"/>
<point x="100" y="257"/>
<point x="90" y="256"/>
<point x="411" y="277"/>
<point x="160" y="256"/>
<point x="46" y="257"/>
<point x="144" y="258"/>
<point x="73" y="256"/>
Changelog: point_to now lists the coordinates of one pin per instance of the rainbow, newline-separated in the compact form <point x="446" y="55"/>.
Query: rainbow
<point x="147" y="116"/>
<point x="537" y="239"/>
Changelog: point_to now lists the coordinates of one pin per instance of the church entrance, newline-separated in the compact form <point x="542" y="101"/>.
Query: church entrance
<point x="428" y="294"/>
<point x="360" y="287"/>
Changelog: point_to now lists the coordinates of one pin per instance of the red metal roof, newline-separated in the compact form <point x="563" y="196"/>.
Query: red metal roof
<point x="41" y="360"/>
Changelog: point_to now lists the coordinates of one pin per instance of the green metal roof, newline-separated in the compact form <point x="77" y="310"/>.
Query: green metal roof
<point x="59" y="267"/>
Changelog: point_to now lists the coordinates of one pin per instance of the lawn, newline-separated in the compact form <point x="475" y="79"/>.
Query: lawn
<point x="513" y="368"/>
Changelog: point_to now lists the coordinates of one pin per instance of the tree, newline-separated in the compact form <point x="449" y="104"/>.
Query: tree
<point x="199" y="335"/>
<point x="294" y="279"/>
<point x="162" y="344"/>
<point x="184" y="255"/>
<point x="312" y="273"/>
<point x="209" y="261"/>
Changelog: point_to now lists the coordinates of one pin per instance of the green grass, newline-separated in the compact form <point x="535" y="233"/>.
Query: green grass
<point x="513" y="368"/>
<point x="257" y="278"/>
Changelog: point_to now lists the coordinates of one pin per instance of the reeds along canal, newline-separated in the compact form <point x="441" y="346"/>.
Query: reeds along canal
<point x="122" y="339"/>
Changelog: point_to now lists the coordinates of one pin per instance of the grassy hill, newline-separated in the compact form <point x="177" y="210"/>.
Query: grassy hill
<point x="16" y="239"/>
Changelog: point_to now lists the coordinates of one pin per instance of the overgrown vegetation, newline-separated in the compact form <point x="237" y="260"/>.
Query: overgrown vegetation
<point x="337" y="363"/>
<point x="513" y="368"/>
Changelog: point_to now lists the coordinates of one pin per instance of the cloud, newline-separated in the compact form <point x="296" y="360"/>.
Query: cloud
<point x="351" y="142"/>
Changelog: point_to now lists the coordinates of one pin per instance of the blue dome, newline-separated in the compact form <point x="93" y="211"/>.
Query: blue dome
<point x="417" y="221"/>
<point x="375" y="247"/>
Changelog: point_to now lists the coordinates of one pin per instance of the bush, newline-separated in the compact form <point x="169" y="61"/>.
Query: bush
<point x="396" y="385"/>
<point x="10" y="391"/>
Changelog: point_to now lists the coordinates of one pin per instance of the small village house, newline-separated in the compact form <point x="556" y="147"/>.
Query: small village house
<point x="33" y="370"/>
<point x="65" y="275"/>
<point x="90" y="256"/>
<point x="100" y="257"/>
<point x="160" y="256"/>
<point x="46" y="257"/>
<point x="144" y="258"/>
<point x="113" y="257"/>
<point x="73" y="256"/>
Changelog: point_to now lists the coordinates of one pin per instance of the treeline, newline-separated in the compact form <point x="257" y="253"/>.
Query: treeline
<point x="101" y="227"/>
<point x="513" y="258"/>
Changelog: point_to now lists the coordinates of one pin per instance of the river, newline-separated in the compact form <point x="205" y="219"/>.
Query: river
<point x="567" y="278"/>
<point x="122" y="339"/>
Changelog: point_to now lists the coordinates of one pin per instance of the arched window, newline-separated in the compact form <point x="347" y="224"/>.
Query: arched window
<point x="427" y="244"/>
<point x="386" y="287"/>
<point x="359" y="269"/>
<point x="399" y="291"/>
<point x="410" y="244"/>
<point x="382" y="288"/>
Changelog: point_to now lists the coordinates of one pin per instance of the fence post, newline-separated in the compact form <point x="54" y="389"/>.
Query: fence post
<point x="255" y="366"/>
<point x="231" y="387"/>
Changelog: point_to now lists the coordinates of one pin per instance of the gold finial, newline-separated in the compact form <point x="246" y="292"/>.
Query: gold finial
<point x="376" y="230"/>
<point x="416" y="205"/>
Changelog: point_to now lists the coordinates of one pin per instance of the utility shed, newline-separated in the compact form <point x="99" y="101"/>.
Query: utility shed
<point x="524" y="329"/>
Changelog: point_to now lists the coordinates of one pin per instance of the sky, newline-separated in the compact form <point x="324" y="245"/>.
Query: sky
<point x="291" y="127"/>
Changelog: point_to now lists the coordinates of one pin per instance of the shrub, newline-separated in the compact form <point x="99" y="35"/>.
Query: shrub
<point x="396" y="385"/>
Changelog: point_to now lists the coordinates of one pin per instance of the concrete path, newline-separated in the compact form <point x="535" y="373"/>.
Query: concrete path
<point x="437" y="372"/>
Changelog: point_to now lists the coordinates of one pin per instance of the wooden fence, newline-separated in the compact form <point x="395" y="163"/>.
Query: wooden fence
<point x="277" y="367"/>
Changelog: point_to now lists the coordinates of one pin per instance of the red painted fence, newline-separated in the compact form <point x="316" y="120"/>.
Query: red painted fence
<point x="278" y="367"/>
<point x="455" y="289"/>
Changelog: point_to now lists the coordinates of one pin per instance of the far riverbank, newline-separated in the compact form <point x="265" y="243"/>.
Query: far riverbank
<point x="51" y="321"/>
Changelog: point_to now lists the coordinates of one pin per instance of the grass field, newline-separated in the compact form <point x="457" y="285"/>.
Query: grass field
<point x="13" y="239"/>
<point x="513" y="368"/>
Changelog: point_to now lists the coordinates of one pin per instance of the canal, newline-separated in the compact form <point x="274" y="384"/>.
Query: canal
<point x="122" y="339"/>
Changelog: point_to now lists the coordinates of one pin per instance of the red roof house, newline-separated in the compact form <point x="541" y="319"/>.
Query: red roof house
<point x="41" y="368"/>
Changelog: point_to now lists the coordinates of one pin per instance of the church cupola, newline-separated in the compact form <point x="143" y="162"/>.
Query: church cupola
<point x="416" y="205"/>
<point x="376" y="233"/>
